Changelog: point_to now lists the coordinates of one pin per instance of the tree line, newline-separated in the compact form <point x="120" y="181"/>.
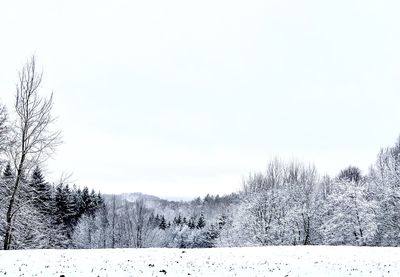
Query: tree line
<point x="139" y="224"/>
<point x="289" y="203"/>
<point x="47" y="213"/>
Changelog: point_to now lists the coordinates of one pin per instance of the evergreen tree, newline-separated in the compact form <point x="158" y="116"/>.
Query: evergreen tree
<point x="7" y="173"/>
<point x="100" y="200"/>
<point x="86" y="201"/>
<point x="191" y="223"/>
<point x="211" y="235"/>
<point x="178" y="220"/>
<point x="63" y="211"/>
<point x="78" y="204"/>
<point x="41" y="192"/>
<point x="6" y="181"/>
<point x="69" y="215"/>
<point x="163" y="223"/>
<point x="152" y="219"/>
<point x="222" y="221"/>
<point x="157" y="220"/>
<point x="201" y="223"/>
<point x="94" y="201"/>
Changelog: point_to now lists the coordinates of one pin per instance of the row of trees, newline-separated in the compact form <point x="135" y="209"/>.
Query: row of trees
<point x="288" y="204"/>
<point x="47" y="214"/>
<point x="124" y="224"/>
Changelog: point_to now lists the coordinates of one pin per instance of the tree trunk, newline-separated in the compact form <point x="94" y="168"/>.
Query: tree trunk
<point x="9" y="215"/>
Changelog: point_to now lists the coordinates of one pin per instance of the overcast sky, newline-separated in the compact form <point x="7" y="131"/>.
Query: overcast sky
<point x="181" y="98"/>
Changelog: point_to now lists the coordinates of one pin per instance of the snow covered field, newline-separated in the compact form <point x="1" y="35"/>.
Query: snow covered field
<point x="262" y="261"/>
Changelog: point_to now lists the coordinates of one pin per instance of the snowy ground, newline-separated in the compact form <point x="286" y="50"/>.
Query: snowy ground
<point x="262" y="261"/>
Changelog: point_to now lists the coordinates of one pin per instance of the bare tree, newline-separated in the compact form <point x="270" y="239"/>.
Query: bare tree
<point x="34" y="141"/>
<point x="141" y="222"/>
<point x="113" y="215"/>
<point x="4" y="129"/>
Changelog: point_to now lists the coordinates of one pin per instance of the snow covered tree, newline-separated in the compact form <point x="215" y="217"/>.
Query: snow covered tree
<point x="211" y="236"/>
<point x="40" y="192"/>
<point x="104" y="223"/>
<point x="86" y="235"/>
<point x="63" y="211"/>
<point x="163" y="223"/>
<point x="141" y="222"/>
<point x="6" y="181"/>
<point x="350" y="215"/>
<point x="30" y="229"/>
<point x="4" y="130"/>
<point x="94" y="201"/>
<point x="78" y="203"/>
<point x="113" y="215"/>
<point x="351" y="174"/>
<point x="385" y="179"/>
<point x="34" y="140"/>
<point x="178" y="220"/>
<point x="192" y="222"/>
<point x="201" y="223"/>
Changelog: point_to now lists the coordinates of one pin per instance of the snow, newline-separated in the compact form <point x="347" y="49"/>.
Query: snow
<point x="257" y="261"/>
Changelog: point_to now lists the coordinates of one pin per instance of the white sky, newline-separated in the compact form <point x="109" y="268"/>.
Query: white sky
<point x="181" y="98"/>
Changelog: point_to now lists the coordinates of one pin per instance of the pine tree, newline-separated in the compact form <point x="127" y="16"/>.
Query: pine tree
<point x="152" y="219"/>
<point x="163" y="223"/>
<point x="69" y="215"/>
<point x="41" y="192"/>
<point x="100" y="200"/>
<point x="157" y="220"/>
<point x="7" y="173"/>
<point x="86" y="201"/>
<point x="93" y="203"/>
<point x="222" y="221"/>
<point x="191" y="223"/>
<point x="78" y="203"/>
<point x="201" y="223"/>
<point x="64" y="212"/>
<point x="179" y="220"/>
<point x="6" y="181"/>
<point x="211" y="235"/>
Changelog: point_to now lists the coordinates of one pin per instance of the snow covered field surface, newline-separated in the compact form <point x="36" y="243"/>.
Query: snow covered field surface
<point x="262" y="261"/>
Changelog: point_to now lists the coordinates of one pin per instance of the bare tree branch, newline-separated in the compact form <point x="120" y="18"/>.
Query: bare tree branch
<point x="34" y="139"/>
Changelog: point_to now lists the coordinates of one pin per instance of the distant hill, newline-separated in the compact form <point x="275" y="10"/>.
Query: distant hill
<point x="132" y="197"/>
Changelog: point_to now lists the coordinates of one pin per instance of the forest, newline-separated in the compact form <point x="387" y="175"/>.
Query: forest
<point x="289" y="203"/>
